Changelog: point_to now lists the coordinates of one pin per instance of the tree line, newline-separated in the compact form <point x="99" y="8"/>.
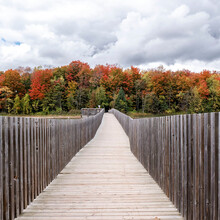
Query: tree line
<point x="77" y="85"/>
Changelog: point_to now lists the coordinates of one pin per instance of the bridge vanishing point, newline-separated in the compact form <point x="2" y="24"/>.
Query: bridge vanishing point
<point x="103" y="181"/>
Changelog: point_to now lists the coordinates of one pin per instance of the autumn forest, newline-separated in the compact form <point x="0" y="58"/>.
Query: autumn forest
<point x="77" y="85"/>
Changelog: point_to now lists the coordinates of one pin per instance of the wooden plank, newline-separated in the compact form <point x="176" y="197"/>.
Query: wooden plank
<point x="28" y="143"/>
<point x="178" y="159"/>
<point x="47" y="152"/>
<point x="156" y="149"/>
<point x="21" y="176"/>
<point x="38" y="155"/>
<point x="35" y="158"/>
<point x="214" y="173"/>
<point x="185" y="146"/>
<point x="6" y="200"/>
<point x="164" y="155"/>
<point x="174" y="138"/>
<point x="167" y="164"/>
<point x="201" y="166"/>
<point x="62" y="155"/>
<point x="182" y="163"/>
<point x="42" y="154"/>
<point x="218" y="164"/>
<point x="207" y="165"/>
<point x="172" y="160"/>
<point x="1" y="169"/>
<point x="53" y="151"/>
<point x="144" y="142"/>
<point x="190" y="166"/>
<point x="32" y="159"/>
<point x="25" y="173"/>
<point x="196" y="167"/>
<point x="11" y="167"/>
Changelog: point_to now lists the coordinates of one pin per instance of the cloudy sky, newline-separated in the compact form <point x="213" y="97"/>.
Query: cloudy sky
<point x="145" y="33"/>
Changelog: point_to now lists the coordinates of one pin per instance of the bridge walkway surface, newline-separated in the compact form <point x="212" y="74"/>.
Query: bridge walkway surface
<point x="103" y="181"/>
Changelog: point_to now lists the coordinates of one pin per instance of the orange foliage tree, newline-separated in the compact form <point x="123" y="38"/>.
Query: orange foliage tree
<point x="40" y="83"/>
<point x="12" y="79"/>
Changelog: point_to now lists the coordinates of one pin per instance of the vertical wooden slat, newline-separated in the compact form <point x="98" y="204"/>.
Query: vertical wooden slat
<point x="41" y="155"/>
<point x="44" y="153"/>
<point x="167" y="147"/>
<point x="218" y="129"/>
<point x="6" y="215"/>
<point x="1" y="169"/>
<point x="201" y="167"/>
<point x="178" y="159"/>
<point x="207" y="165"/>
<point x="11" y="167"/>
<point x="38" y="156"/>
<point x="195" y="167"/>
<point x="171" y="159"/>
<point x="185" y="146"/>
<point x="32" y="152"/>
<point x="47" y="152"/>
<point x="190" y="166"/>
<point x="25" y="163"/>
<point x="21" y="166"/>
<point x="182" y="163"/>
<point x="35" y="159"/>
<point x="28" y="161"/>
<point x="58" y="145"/>
<point x="214" y="174"/>
<point x="53" y="135"/>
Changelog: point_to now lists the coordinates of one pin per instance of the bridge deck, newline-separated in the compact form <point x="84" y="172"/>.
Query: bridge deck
<point x="103" y="181"/>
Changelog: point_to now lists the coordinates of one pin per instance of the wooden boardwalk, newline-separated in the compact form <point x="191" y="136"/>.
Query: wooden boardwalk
<point x="103" y="181"/>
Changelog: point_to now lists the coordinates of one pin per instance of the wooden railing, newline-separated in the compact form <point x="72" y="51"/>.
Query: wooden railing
<point x="33" y="151"/>
<point x="182" y="154"/>
<point x="90" y="111"/>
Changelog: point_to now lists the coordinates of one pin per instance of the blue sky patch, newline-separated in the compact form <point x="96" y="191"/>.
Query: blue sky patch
<point x="17" y="43"/>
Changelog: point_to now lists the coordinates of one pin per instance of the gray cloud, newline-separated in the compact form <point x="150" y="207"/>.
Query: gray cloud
<point x="142" y="33"/>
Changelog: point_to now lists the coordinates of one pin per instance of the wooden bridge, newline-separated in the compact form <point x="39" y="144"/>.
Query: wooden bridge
<point x="103" y="181"/>
<point x="40" y="178"/>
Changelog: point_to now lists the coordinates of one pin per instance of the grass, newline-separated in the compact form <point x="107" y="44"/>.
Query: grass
<point x="73" y="114"/>
<point x="134" y="114"/>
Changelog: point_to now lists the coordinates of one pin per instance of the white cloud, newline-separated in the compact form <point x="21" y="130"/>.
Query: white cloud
<point x="143" y="33"/>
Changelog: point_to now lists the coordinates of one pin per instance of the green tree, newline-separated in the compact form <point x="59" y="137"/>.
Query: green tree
<point x="101" y="98"/>
<point x="36" y="105"/>
<point x="26" y="106"/>
<point x="120" y="102"/>
<point x="9" y="105"/>
<point x="17" y="105"/>
<point x="213" y="101"/>
<point x="5" y="94"/>
<point x="195" y="105"/>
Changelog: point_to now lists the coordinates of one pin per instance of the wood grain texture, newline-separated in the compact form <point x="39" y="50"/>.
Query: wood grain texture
<point x="1" y="169"/>
<point x="103" y="181"/>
